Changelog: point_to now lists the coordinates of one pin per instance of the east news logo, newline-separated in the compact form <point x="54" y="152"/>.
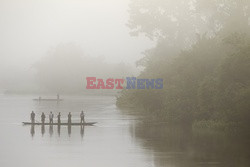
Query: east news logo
<point x="128" y="83"/>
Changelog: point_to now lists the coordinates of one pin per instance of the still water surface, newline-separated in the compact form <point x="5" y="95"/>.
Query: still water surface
<point x="118" y="139"/>
<point x="109" y="143"/>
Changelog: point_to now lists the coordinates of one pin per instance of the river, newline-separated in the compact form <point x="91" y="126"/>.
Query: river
<point x="119" y="139"/>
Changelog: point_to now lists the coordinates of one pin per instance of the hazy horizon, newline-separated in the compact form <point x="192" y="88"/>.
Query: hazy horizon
<point x="30" y="29"/>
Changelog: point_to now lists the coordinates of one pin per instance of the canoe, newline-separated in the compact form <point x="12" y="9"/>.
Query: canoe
<point x="48" y="99"/>
<point x="72" y="124"/>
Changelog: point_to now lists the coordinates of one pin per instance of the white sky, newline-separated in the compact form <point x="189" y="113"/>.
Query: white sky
<point x="28" y="28"/>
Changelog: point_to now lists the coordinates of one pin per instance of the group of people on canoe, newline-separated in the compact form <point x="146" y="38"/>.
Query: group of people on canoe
<point x="51" y="117"/>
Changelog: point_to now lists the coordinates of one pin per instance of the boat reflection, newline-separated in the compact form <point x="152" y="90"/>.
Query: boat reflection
<point x="51" y="130"/>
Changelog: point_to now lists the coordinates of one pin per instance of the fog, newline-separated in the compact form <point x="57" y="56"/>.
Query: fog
<point x="30" y="29"/>
<point x="197" y="115"/>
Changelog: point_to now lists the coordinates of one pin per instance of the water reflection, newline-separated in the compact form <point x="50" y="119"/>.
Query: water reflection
<point x="182" y="146"/>
<point x="42" y="129"/>
<point x="51" y="130"/>
<point x="59" y="130"/>
<point x="69" y="130"/>
<point x="32" y="131"/>
<point x="82" y="131"/>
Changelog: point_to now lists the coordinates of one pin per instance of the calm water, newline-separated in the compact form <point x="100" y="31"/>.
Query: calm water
<point x="118" y="140"/>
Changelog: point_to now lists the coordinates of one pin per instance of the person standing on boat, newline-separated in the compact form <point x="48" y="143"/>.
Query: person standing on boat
<point x="59" y="118"/>
<point x="82" y="117"/>
<point x="43" y="117"/>
<point x="69" y="118"/>
<point x="51" y="116"/>
<point x="32" y="117"/>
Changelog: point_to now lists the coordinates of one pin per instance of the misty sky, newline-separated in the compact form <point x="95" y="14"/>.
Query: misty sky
<point x="29" y="28"/>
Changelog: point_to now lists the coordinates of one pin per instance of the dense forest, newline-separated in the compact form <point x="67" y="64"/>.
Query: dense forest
<point x="203" y="56"/>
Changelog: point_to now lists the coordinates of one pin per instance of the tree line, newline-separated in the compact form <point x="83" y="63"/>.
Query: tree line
<point x="203" y="56"/>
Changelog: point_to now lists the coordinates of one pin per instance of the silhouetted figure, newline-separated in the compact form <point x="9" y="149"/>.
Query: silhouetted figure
<point x="69" y="130"/>
<point x="69" y="118"/>
<point x="59" y="118"/>
<point x="32" y="117"/>
<point x="82" y="117"/>
<point x="51" y="130"/>
<point x="51" y="116"/>
<point x="58" y="97"/>
<point x="82" y="131"/>
<point x="42" y="129"/>
<point x="32" y="130"/>
<point x="43" y="118"/>
<point x="59" y="130"/>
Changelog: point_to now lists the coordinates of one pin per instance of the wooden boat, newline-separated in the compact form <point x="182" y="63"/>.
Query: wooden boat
<point x="48" y="99"/>
<point x="44" y="99"/>
<point x="62" y="124"/>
